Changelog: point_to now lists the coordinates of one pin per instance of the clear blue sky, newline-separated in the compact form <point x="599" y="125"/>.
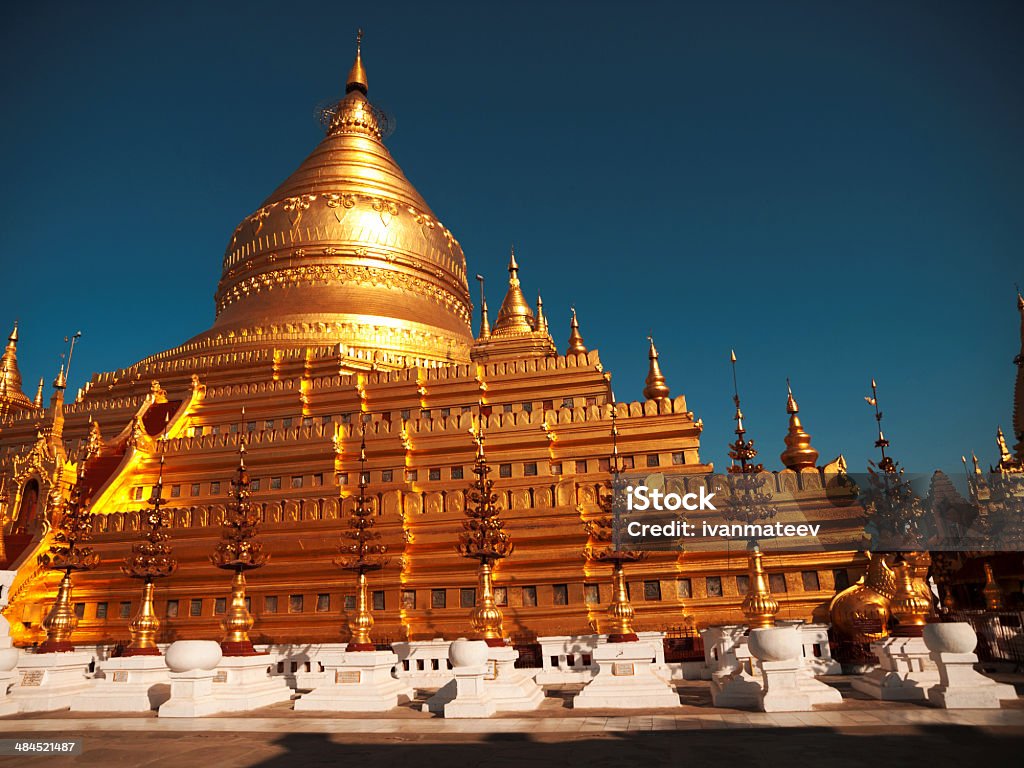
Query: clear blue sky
<point x="835" y="190"/>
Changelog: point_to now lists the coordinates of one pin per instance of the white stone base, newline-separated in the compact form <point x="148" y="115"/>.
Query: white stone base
<point x="734" y="683"/>
<point x="359" y="681"/>
<point x="960" y="686"/>
<point x="237" y="684"/>
<point x="466" y="696"/>
<point x="624" y="680"/>
<point x="127" y="684"/>
<point x="191" y="695"/>
<point x="511" y="689"/>
<point x="905" y="671"/>
<point x="50" y="681"/>
<point x="7" y="705"/>
<point x="782" y="691"/>
<point x="817" y="691"/>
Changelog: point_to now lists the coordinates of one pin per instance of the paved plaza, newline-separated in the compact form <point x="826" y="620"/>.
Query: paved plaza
<point x="694" y="734"/>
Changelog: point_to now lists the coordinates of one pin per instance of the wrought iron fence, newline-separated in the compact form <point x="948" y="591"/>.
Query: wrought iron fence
<point x="1000" y="634"/>
<point x="683" y="644"/>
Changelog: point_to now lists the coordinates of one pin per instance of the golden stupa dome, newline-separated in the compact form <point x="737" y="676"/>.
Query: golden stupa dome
<point x="345" y="251"/>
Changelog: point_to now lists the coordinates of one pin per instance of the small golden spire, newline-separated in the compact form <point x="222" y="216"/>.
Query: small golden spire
<point x="1004" y="452"/>
<point x="515" y="316"/>
<point x="992" y="592"/>
<point x="657" y="388"/>
<point x="357" y="75"/>
<point x="798" y="454"/>
<point x="10" y="376"/>
<point x="758" y="606"/>
<point x="38" y="402"/>
<point x="542" y="322"/>
<point x="485" y="323"/>
<point x="576" y="345"/>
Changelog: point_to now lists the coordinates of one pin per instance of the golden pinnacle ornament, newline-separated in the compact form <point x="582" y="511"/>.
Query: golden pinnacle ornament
<point x="484" y="539"/>
<point x="606" y="530"/>
<point x="150" y="560"/>
<point x="362" y="556"/>
<point x="910" y="609"/>
<point x="67" y="553"/>
<point x="758" y="606"/>
<point x="748" y="502"/>
<point x="239" y="551"/>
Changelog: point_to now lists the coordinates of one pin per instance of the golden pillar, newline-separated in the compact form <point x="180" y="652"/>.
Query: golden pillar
<point x="759" y="607"/>
<point x="909" y="607"/>
<point x="486" y="616"/>
<point x="992" y="592"/>
<point x="362" y="556"/>
<point x="150" y="560"/>
<point x="145" y="626"/>
<point x="61" y="621"/>
<point x="484" y="539"/>
<point x="239" y="551"/>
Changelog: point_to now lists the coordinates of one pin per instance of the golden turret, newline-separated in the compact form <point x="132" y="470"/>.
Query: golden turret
<point x="516" y="333"/>
<point x="38" y="402"/>
<point x="576" y="345"/>
<point x="515" y="316"/>
<point x="656" y="388"/>
<point x="542" y="321"/>
<point x="799" y="453"/>
<point x="11" y="396"/>
<point x="1006" y="459"/>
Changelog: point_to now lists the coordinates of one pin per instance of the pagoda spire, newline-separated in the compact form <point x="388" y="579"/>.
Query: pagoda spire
<point x="741" y="449"/>
<point x="11" y="396"/>
<point x="356" y="80"/>
<point x="656" y="387"/>
<point x="576" y="345"/>
<point x="542" y="321"/>
<point x="799" y="453"/>
<point x="515" y="316"/>
<point x="38" y="402"/>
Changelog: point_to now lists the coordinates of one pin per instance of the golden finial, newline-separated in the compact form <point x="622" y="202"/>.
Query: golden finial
<point x="741" y="449"/>
<point x="357" y="75"/>
<point x="542" y="321"/>
<point x="14" y="334"/>
<point x="1004" y="451"/>
<point x="576" y="345"/>
<point x="798" y="454"/>
<point x="977" y="467"/>
<point x="485" y="323"/>
<point x="38" y="402"/>
<point x="656" y="388"/>
<point x="515" y="317"/>
<point x="887" y="465"/>
<point x="758" y="606"/>
<point x="10" y="376"/>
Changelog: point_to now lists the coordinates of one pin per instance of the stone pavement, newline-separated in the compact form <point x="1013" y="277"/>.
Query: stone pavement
<point x="554" y="735"/>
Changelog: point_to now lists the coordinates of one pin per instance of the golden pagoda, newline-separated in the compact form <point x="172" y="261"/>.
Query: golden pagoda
<point x="343" y="312"/>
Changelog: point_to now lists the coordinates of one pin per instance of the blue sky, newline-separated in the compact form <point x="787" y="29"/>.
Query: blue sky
<point x="834" y="190"/>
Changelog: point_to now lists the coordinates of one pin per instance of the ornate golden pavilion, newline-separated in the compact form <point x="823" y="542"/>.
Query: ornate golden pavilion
<point x="343" y="316"/>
